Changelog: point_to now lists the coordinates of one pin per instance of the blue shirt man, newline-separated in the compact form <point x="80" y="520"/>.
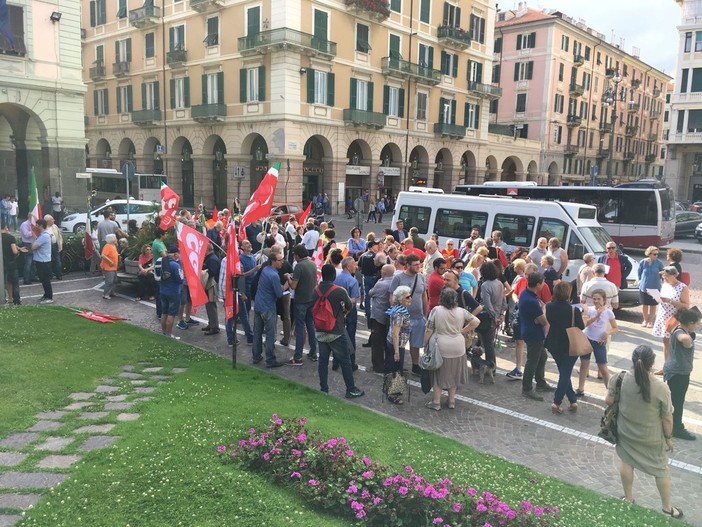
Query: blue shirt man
<point x="531" y="322"/>
<point x="347" y="280"/>
<point x="269" y="290"/>
<point x="42" y="248"/>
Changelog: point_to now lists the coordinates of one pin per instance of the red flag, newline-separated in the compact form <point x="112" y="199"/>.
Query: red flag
<point x="210" y="223"/>
<point x="261" y="201"/>
<point x="233" y="269"/>
<point x="169" y="206"/>
<point x="306" y="214"/>
<point x="318" y="258"/>
<point x="88" y="248"/>
<point x="192" y="246"/>
<point x="94" y="316"/>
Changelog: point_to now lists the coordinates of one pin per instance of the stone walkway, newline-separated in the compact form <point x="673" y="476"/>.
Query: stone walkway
<point x="40" y="457"/>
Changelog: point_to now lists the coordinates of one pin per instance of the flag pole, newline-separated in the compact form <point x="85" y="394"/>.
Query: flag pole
<point x="235" y="291"/>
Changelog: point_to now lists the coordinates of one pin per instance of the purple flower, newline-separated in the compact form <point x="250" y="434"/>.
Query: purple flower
<point x="295" y="475"/>
<point x="437" y="520"/>
<point x="487" y="524"/>
<point x="471" y="491"/>
<point x="296" y="452"/>
<point x="481" y="508"/>
<point x="365" y="494"/>
<point x="526" y="506"/>
<point x="313" y="482"/>
<point x="252" y="430"/>
<point x="352" y="489"/>
<point x="349" y="452"/>
<point x="367" y="474"/>
<point x="409" y="469"/>
<point x="402" y="490"/>
<point x="332" y="443"/>
<point x="303" y="421"/>
<point x="278" y="422"/>
<point x="266" y="456"/>
<point x="301" y="437"/>
<point x="538" y="511"/>
<point x="376" y="500"/>
<point x="274" y="416"/>
<point x="366" y="461"/>
<point x="356" y="506"/>
<point x="457" y="507"/>
<point x="360" y="514"/>
<point x="221" y="448"/>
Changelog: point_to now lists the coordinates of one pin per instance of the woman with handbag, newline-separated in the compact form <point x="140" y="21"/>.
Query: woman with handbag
<point x="562" y="315"/>
<point x="398" y="336"/>
<point x="448" y="322"/>
<point x="644" y="427"/>
<point x="599" y="325"/>
<point x="674" y="295"/>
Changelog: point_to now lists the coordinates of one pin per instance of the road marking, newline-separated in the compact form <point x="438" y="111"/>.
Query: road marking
<point x="37" y="284"/>
<point x="59" y="293"/>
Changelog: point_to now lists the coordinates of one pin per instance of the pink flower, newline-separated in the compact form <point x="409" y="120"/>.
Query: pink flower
<point x="252" y="430"/>
<point x="352" y="489"/>
<point x="295" y="475"/>
<point x="356" y="506"/>
<point x="332" y="443"/>
<point x="471" y="491"/>
<point x="303" y="421"/>
<point x="278" y="422"/>
<point x="349" y="452"/>
<point x="313" y="482"/>
<point x="367" y="474"/>
<point x="295" y="452"/>
<point x="481" y="508"/>
<point x="437" y="520"/>
<point x="538" y="511"/>
<point x="402" y="490"/>
<point x="366" y="461"/>
<point x="457" y="507"/>
<point x="360" y="514"/>
<point x="376" y="500"/>
<point x="221" y="448"/>
<point x="274" y="416"/>
<point x="266" y="456"/>
<point x="365" y="494"/>
<point x="301" y="437"/>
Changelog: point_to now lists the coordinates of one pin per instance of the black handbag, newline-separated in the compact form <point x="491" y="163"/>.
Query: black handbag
<point x="608" y="422"/>
<point x="487" y="322"/>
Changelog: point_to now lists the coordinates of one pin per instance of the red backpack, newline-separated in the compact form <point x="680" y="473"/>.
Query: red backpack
<point x="323" y="312"/>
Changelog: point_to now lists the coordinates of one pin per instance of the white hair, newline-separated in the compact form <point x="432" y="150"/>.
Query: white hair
<point x="110" y="238"/>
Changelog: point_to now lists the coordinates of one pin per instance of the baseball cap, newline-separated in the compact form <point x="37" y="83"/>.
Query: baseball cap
<point x="172" y="249"/>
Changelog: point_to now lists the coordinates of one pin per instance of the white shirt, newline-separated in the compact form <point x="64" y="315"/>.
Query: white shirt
<point x="310" y="239"/>
<point x="56" y="202"/>
<point x="600" y="282"/>
<point x="13" y="208"/>
<point x="598" y="327"/>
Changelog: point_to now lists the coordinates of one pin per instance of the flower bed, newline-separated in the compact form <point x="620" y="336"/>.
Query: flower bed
<point x="329" y="475"/>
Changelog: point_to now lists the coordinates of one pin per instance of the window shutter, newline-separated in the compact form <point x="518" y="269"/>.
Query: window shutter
<point x="92" y="13"/>
<point x="310" y="85"/>
<point x="95" y="102"/>
<point x="454" y="69"/>
<point x="516" y="71"/>
<point x="116" y="50"/>
<point x="444" y="62"/>
<point x="143" y="96"/>
<point x="352" y="99"/>
<point x="130" y="105"/>
<point x="466" y="113"/>
<point x="424" y="11"/>
<point x="477" y="117"/>
<point x="457" y="17"/>
<point x="107" y="101"/>
<point x="386" y="100"/>
<point x="119" y="101"/>
<point x="446" y="14"/>
<point x="401" y="103"/>
<point x="532" y="39"/>
<point x="370" y="97"/>
<point x="220" y="87"/>
<point x="129" y="50"/>
<point x="330" y="89"/>
<point x="479" y="72"/>
<point x="431" y="58"/>
<point x="171" y="38"/>
<point x="442" y="101"/>
<point x="242" y="86"/>
<point x="157" y="106"/>
<point x="172" y="94"/>
<point x="453" y="111"/>
<point x="519" y="42"/>
<point x="530" y="69"/>
<point x="186" y="92"/>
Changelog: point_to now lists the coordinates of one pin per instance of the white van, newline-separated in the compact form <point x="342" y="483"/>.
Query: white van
<point x="522" y="223"/>
<point x="139" y="210"/>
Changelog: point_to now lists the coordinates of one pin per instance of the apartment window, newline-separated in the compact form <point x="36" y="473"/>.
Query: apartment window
<point x="526" y="40"/>
<point x="497" y="48"/>
<point x="583" y="109"/>
<point x="475" y="71"/>
<point x="426" y="56"/>
<point x="477" y="28"/>
<point x="472" y="116"/>
<point x="320" y="87"/>
<point x="452" y="15"/>
<point x="577" y="48"/>
<point x="523" y="70"/>
<point x="15" y="31"/>
<point x="590" y="139"/>
<point x="149" y="46"/>
<point x="683" y="81"/>
<point x="565" y="42"/>
<point x="496" y="73"/>
<point x="494" y="106"/>
<point x="123" y="50"/>
<point x="593" y="113"/>
<point x="100" y="55"/>
<point x="581" y="137"/>
<point x="361" y="95"/>
<point x="558" y="103"/>
<point x="586" y="81"/>
<point x="121" y="8"/>
<point x="558" y="134"/>
<point x="321" y="28"/>
<point x="688" y="42"/>
<point x="98" y="12"/>
<point x="124" y="99"/>
<point x="521" y="103"/>
<point x="696" y="85"/>
<point x="587" y="53"/>
<point x="100" y="102"/>
<point x="449" y="64"/>
<point x="253" y="21"/>
<point x="447" y="111"/>
<point x="180" y="92"/>
<point x="149" y="96"/>
<point x="666" y="115"/>
<point x="212" y="38"/>
<point x="393" y="101"/>
<point x="698" y="40"/>
<point x="424" y="11"/>
<point x="396" y="5"/>
<point x="523" y="132"/>
<point x="176" y="38"/>
<point x="422" y="102"/>
<point x="394" y="47"/>
<point x="561" y="72"/>
<point x="252" y="83"/>
<point x="362" y="40"/>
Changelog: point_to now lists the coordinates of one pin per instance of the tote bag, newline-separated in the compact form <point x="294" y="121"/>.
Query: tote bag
<point x="578" y="343"/>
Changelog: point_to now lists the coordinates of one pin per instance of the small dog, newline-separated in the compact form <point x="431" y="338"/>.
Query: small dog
<point x="481" y="366"/>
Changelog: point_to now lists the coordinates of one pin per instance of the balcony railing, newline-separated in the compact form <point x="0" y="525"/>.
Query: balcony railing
<point x="403" y="68"/>
<point x="574" y="120"/>
<point x="453" y="36"/>
<point x="485" y="90"/>
<point x="629" y="156"/>
<point x="378" y="10"/>
<point x="633" y="107"/>
<point x="605" y="127"/>
<point x="146" y="16"/>
<point x="450" y="130"/>
<point x="602" y="153"/>
<point x="655" y="114"/>
<point x="631" y="131"/>
<point x="286" y="38"/>
<point x="119" y="69"/>
<point x="97" y="72"/>
<point x="571" y="150"/>
<point x="146" y="117"/>
<point x="576" y="90"/>
<point x="176" y="57"/>
<point x="653" y="136"/>
<point x="204" y="113"/>
<point x="364" y="118"/>
<point x="657" y="92"/>
<point x="651" y="158"/>
<point x="205" y="5"/>
<point x="578" y="59"/>
<point x="636" y="83"/>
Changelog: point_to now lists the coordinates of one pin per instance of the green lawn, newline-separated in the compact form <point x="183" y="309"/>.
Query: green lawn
<point x="164" y="470"/>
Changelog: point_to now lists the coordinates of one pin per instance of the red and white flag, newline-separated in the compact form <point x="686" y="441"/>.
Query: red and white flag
<point x="233" y="269"/>
<point x="261" y="201"/>
<point x="318" y="258"/>
<point x="305" y="214"/>
<point x="169" y="206"/>
<point x="192" y="245"/>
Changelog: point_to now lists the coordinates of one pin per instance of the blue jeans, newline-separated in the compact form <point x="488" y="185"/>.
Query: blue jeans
<point x="56" y="264"/>
<point x="351" y="323"/>
<point x="28" y="262"/>
<point x="339" y="349"/>
<point x="303" y="319"/>
<point x="264" y="322"/>
<point x="243" y="317"/>
<point x="368" y="284"/>
<point x="564" y="363"/>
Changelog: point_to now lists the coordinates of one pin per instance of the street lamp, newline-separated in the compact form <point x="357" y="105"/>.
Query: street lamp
<point x="610" y="99"/>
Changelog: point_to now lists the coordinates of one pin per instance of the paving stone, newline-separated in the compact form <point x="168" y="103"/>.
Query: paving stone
<point x="128" y="367"/>
<point x="43" y="426"/>
<point x="81" y="396"/>
<point x="58" y="461"/>
<point x="107" y="380"/>
<point x="161" y="377"/>
<point x="118" y="406"/>
<point x="57" y="414"/>
<point x="30" y="479"/>
<point x="138" y="382"/>
<point x="106" y="389"/>
<point x="6" y="520"/>
<point x="55" y="443"/>
<point x="95" y="442"/>
<point x="93" y="415"/>
<point x="128" y="417"/>
<point x="152" y="370"/>
<point x="144" y="389"/>
<point x="13" y="500"/>
<point x="130" y="375"/>
<point x="143" y="399"/>
<point x="11" y="459"/>
<point x="19" y="439"/>
<point x="77" y="406"/>
<point x="116" y="398"/>
<point x="178" y="370"/>
<point x="94" y="429"/>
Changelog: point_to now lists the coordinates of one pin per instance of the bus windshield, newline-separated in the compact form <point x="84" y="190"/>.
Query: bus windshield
<point x="596" y="237"/>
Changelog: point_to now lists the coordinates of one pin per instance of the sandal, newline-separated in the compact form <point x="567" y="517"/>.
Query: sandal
<point x="433" y="406"/>
<point x="674" y="512"/>
<point x="556" y="408"/>
<point x="452" y="405"/>
<point x="580" y="393"/>
<point x="573" y="407"/>
<point x="396" y="399"/>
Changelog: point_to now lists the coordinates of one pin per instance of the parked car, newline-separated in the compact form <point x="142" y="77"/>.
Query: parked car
<point x="285" y="210"/>
<point x="686" y="223"/>
<point x="696" y="206"/>
<point x="698" y="233"/>
<point x="138" y="210"/>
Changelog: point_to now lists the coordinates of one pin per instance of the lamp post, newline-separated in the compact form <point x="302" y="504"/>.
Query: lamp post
<point x="610" y="99"/>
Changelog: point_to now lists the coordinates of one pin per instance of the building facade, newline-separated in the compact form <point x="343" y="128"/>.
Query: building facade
<point x="563" y="83"/>
<point x="41" y="101"/>
<point x="684" y="161"/>
<point x="348" y="95"/>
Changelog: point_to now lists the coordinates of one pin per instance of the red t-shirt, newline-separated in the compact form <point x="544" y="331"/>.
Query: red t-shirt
<point x="615" y="271"/>
<point x="416" y="251"/>
<point x="544" y="294"/>
<point x="435" y="284"/>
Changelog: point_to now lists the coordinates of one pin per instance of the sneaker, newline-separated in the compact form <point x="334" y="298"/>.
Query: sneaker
<point x="106" y="297"/>
<point x="46" y="301"/>
<point x="354" y="367"/>
<point x="257" y="360"/>
<point x="182" y="325"/>
<point x="355" y="392"/>
<point x="192" y="322"/>
<point x="174" y="337"/>
<point x="684" y="434"/>
<point x="531" y="395"/>
<point x="516" y="373"/>
<point x="545" y="388"/>
<point x="416" y="369"/>
<point x="294" y="362"/>
<point x="366" y="345"/>
<point x="313" y="357"/>
<point x="276" y="364"/>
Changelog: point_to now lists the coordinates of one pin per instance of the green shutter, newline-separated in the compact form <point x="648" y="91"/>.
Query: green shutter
<point x="352" y="98"/>
<point x="532" y="39"/>
<point x="445" y="20"/>
<point x="172" y="90"/>
<point x="330" y="89"/>
<point x="477" y="116"/>
<point x="530" y="69"/>
<point x="119" y="102"/>
<point x="431" y="58"/>
<point x="157" y="105"/>
<point x="171" y="38"/>
<point x="95" y="102"/>
<point x="442" y="101"/>
<point x="466" y="110"/>
<point x="320" y="25"/>
<point x="143" y="96"/>
<point x="401" y="103"/>
<point x="394" y="47"/>
<point x="479" y="72"/>
<point x="454" y="69"/>
<point x="100" y="54"/>
<point x="519" y="42"/>
<point x="116" y="50"/>
<point x="516" y="71"/>
<point x="370" y="97"/>
<point x="261" y="83"/>
<point x="130" y="105"/>
<point x="107" y="101"/>
<point x="92" y="13"/>
<point x="386" y="100"/>
<point x="129" y="50"/>
<point x="424" y="10"/>
<point x="310" y="85"/>
<point x="444" y="62"/>
<point x="457" y="17"/>
<point x="213" y="30"/>
<point x="220" y="87"/>
<point x="453" y="111"/>
<point x="186" y="92"/>
<point x="253" y="22"/>
<point x="242" y="86"/>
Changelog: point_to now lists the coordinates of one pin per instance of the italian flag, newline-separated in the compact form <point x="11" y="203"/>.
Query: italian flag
<point x="34" y="207"/>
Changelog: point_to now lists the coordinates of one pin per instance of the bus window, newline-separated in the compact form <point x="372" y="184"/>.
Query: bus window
<point x="639" y="208"/>
<point x="516" y="230"/>
<point x="609" y="211"/>
<point x="667" y="204"/>
<point x="415" y="216"/>
<point x="576" y="249"/>
<point x="151" y="181"/>
<point x="552" y="228"/>
<point x="455" y="223"/>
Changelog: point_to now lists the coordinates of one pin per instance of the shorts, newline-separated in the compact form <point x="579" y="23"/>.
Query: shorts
<point x="600" y="351"/>
<point x="185" y="295"/>
<point x="170" y="304"/>
<point x="417" y="329"/>
<point x="646" y="299"/>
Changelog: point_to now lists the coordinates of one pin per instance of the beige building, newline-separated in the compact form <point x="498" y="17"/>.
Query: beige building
<point x="562" y="83"/>
<point x="349" y="95"/>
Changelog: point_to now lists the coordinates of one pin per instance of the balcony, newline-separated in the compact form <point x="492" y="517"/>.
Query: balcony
<point x="571" y="150"/>
<point x="573" y="121"/>
<point x="576" y="90"/>
<point x="202" y="6"/>
<point x="653" y="136"/>
<point x="97" y="72"/>
<point x="176" y="57"/>
<point x="605" y="128"/>
<point x="356" y="117"/>
<point x="453" y="36"/>
<point x="209" y="113"/>
<point x="286" y="39"/>
<point x="633" y="107"/>
<point x="146" y="117"/>
<point x="377" y="10"/>
<point x="657" y="92"/>
<point x="402" y="68"/>
<point x="450" y="130"/>
<point x="578" y="60"/>
<point x="651" y="158"/>
<point x="144" y="17"/>
<point x="120" y="69"/>
<point x="655" y="114"/>
<point x="631" y="131"/>
<point x="609" y="73"/>
<point x="485" y="90"/>
<point x="602" y="153"/>
<point x="629" y="156"/>
<point x="635" y="83"/>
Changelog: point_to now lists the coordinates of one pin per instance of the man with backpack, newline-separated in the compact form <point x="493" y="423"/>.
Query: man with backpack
<point x="303" y="282"/>
<point x="330" y="305"/>
<point x="170" y="277"/>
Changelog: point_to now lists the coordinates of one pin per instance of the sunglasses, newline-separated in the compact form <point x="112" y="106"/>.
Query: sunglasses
<point x="458" y="267"/>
